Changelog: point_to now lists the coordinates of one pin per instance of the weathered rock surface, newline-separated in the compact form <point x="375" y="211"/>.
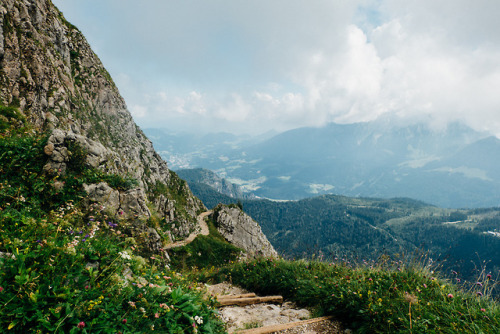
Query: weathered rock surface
<point x="49" y="71"/>
<point x="242" y="231"/>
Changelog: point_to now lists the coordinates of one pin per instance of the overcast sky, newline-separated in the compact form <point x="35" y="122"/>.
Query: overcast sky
<point x="260" y="65"/>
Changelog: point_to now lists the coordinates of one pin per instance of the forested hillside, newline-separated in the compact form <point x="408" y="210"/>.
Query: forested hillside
<point x="357" y="229"/>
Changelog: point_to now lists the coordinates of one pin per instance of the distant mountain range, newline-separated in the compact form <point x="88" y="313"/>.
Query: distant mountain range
<point x="452" y="167"/>
<point x="198" y="177"/>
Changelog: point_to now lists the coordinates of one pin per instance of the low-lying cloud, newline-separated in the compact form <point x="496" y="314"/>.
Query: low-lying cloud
<point x="254" y="66"/>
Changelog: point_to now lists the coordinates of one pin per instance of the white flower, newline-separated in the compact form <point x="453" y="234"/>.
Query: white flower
<point x="198" y="319"/>
<point x="125" y="255"/>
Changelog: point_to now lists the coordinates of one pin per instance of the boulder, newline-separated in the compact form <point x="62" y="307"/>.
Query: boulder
<point x="242" y="231"/>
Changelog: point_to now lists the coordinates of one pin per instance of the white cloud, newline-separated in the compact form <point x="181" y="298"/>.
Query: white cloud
<point x="138" y="111"/>
<point x="257" y="65"/>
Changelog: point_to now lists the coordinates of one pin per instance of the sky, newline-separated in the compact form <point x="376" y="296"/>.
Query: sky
<point x="272" y="65"/>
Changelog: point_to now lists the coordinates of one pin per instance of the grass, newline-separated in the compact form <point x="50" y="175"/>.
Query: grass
<point x="69" y="269"/>
<point x="66" y="268"/>
<point x="205" y="252"/>
<point x="372" y="299"/>
<point x="71" y="273"/>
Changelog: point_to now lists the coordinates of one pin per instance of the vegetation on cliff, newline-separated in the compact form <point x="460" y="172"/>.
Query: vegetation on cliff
<point x="69" y="267"/>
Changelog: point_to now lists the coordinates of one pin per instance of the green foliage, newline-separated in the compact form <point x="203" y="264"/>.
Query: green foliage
<point x="8" y="115"/>
<point x="366" y="228"/>
<point x="66" y="270"/>
<point x="385" y="298"/>
<point x="205" y="252"/>
<point x="25" y="186"/>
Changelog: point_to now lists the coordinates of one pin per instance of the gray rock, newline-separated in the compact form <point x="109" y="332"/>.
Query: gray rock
<point x="63" y="87"/>
<point x="242" y="231"/>
<point x="133" y="204"/>
<point x="104" y="194"/>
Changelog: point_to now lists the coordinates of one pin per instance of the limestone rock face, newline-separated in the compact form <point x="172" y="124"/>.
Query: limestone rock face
<point x="50" y="73"/>
<point x="242" y="231"/>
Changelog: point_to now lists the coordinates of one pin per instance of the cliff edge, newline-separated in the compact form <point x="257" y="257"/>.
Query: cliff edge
<point x="49" y="73"/>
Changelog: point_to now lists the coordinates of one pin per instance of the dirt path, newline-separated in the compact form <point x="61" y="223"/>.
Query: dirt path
<point x="192" y="236"/>
<point x="239" y="318"/>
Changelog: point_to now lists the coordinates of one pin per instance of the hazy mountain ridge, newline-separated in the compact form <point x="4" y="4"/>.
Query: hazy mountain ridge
<point x="451" y="167"/>
<point x="211" y="179"/>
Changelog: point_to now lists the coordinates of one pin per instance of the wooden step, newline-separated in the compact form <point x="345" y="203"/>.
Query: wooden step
<point x="245" y="295"/>
<point x="250" y="300"/>
<point x="280" y="327"/>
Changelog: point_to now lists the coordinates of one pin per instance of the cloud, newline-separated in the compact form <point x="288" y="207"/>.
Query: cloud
<point x="260" y="65"/>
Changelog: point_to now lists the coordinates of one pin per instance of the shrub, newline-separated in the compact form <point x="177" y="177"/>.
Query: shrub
<point x="373" y="299"/>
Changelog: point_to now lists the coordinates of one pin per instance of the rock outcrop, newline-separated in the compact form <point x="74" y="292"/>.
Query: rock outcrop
<point x="50" y="73"/>
<point x="242" y="231"/>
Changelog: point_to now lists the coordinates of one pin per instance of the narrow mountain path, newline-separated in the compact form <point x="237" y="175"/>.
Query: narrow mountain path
<point x="203" y="231"/>
<point x="246" y="313"/>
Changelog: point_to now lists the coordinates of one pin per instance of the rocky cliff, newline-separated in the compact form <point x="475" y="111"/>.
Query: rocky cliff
<point x="51" y="75"/>
<point x="242" y="231"/>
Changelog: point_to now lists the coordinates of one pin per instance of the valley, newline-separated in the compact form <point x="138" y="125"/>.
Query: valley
<point x="452" y="167"/>
<point x="358" y="229"/>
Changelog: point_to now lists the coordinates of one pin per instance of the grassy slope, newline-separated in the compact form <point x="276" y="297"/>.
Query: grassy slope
<point x="383" y="298"/>
<point x="67" y="269"/>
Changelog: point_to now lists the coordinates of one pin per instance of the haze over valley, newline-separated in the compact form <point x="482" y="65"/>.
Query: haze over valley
<point x="450" y="167"/>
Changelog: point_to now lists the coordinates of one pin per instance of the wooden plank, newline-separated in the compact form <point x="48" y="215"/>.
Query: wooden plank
<point x="245" y="295"/>
<point x="280" y="327"/>
<point x="250" y="301"/>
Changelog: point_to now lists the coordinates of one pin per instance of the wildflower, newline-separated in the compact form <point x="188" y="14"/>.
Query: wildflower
<point x="1" y="289"/>
<point x="157" y="315"/>
<point x="483" y="310"/>
<point x="198" y="319"/>
<point x="488" y="276"/>
<point x="124" y="321"/>
<point x="125" y="255"/>
<point x="479" y="293"/>
<point x="81" y="325"/>
<point x="132" y="304"/>
<point x="454" y="272"/>
<point x="425" y="285"/>
<point x="87" y="287"/>
<point x="450" y="295"/>
<point x="479" y="284"/>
